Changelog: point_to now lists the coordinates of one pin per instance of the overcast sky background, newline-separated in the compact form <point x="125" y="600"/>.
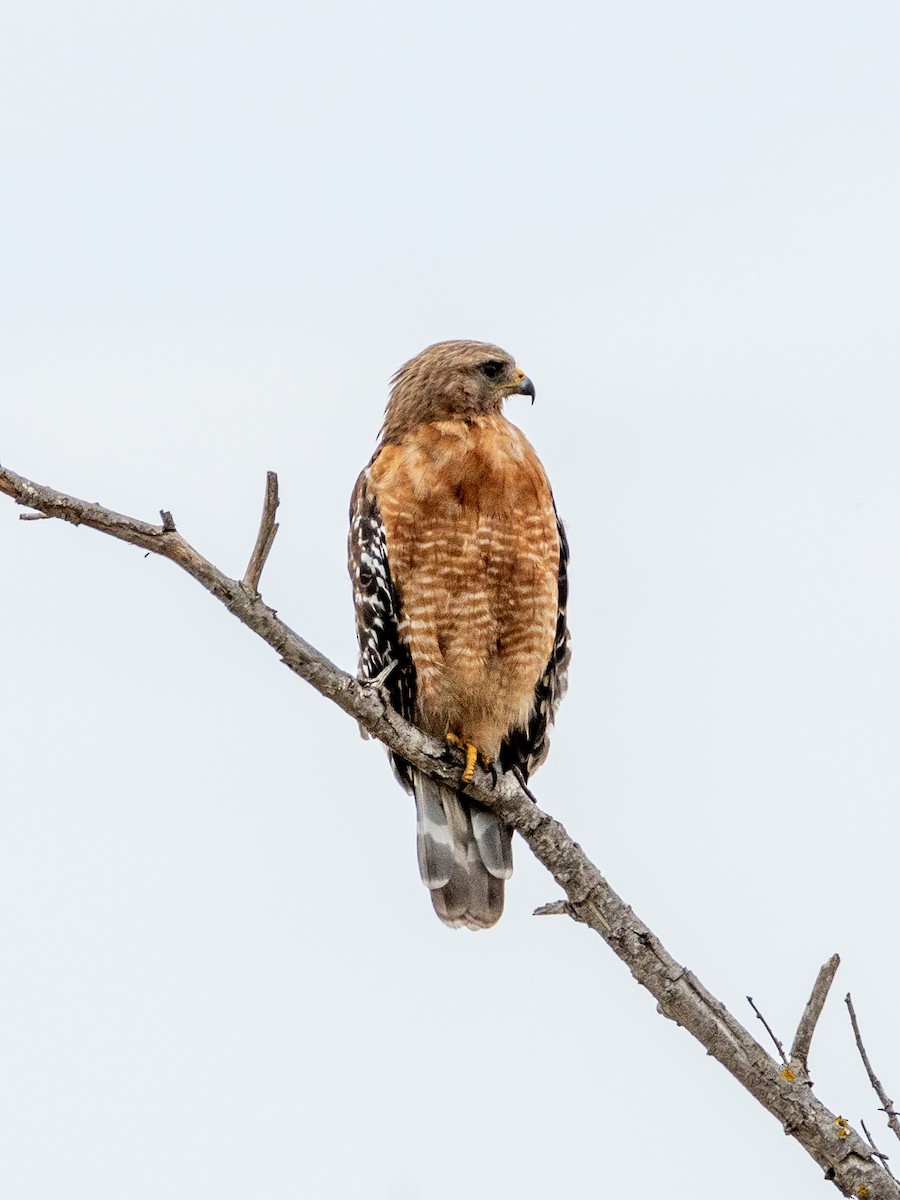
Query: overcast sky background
<point x="224" y="226"/>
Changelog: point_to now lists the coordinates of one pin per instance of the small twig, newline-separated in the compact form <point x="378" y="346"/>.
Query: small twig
<point x="812" y="1012"/>
<point x="36" y="516"/>
<point x="887" y="1105"/>
<point x="265" y="537"/>
<point x="883" y="1158"/>
<point x="168" y="521"/>
<point x="769" y="1031"/>
<point x="556" y="908"/>
<point x="377" y="680"/>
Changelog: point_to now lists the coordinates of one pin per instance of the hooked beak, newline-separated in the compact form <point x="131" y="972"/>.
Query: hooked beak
<point x="526" y="387"/>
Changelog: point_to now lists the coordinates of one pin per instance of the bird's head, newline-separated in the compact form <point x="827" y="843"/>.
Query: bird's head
<point x="452" y="379"/>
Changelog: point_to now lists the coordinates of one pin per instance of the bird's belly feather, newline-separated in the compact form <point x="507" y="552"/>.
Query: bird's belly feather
<point x="474" y="556"/>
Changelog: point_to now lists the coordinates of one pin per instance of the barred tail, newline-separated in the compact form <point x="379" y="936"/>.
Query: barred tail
<point x="465" y="854"/>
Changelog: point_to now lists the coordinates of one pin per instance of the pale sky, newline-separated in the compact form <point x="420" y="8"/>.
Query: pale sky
<point x="224" y="226"/>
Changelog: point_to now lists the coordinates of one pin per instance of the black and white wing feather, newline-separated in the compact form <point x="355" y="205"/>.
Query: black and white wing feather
<point x="382" y="653"/>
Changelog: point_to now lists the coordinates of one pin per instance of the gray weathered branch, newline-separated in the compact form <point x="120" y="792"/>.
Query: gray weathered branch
<point x="811" y="1013"/>
<point x="838" y="1149"/>
<point x="887" y="1105"/>
<point x="265" y="537"/>
<point x="770" y="1031"/>
<point x="884" y="1159"/>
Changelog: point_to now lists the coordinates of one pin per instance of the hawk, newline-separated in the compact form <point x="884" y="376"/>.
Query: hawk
<point x="458" y="562"/>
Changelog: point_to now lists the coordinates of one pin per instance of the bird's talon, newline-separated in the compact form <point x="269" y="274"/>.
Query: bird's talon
<point x="471" y="758"/>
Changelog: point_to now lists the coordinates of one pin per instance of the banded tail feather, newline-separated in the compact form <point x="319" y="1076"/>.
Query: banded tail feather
<point x="465" y="854"/>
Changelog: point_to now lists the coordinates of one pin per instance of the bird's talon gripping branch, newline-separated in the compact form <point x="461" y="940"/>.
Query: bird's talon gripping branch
<point x="471" y="756"/>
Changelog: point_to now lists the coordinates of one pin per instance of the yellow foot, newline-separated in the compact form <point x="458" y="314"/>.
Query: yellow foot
<point x="472" y="754"/>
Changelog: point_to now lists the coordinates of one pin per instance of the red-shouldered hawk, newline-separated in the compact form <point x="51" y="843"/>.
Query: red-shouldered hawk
<point x="459" y="562"/>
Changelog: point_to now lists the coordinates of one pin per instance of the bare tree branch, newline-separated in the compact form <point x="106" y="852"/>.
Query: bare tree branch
<point x="556" y="908"/>
<point x="883" y="1158"/>
<point x="887" y="1105"/>
<point x="814" y="1005"/>
<point x="265" y="537"/>
<point x="769" y="1031"/>
<point x="841" y="1152"/>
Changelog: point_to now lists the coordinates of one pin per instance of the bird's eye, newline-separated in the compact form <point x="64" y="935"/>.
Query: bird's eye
<point x="491" y="368"/>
